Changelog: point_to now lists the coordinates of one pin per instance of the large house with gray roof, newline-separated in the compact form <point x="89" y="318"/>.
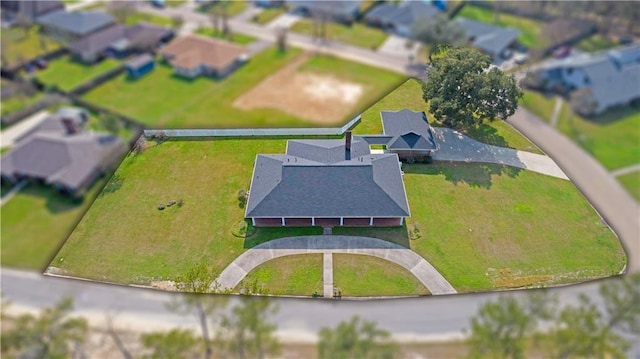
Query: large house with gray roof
<point x="611" y="78"/>
<point x="60" y="154"/>
<point x="327" y="183"/>
<point x="72" y="26"/>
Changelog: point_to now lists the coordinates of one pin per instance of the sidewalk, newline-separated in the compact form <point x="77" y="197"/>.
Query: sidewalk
<point x="9" y="136"/>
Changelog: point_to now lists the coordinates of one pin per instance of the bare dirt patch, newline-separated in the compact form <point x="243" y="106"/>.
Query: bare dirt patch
<point x="322" y="99"/>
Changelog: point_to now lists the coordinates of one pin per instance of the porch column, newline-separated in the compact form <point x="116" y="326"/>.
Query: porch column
<point x="371" y="221"/>
<point x="342" y="221"/>
<point x="253" y="221"/>
<point x="283" y="221"/>
<point x="401" y="220"/>
<point x="313" y="221"/>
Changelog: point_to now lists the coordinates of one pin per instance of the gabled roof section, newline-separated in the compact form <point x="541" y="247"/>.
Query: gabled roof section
<point x="326" y="151"/>
<point x="404" y="14"/>
<point x="487" y="37"/>
<point x="78" y="22"/>
<point x="409" y="130"/>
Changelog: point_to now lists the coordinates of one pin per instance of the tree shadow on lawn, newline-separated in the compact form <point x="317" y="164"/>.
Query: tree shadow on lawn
<point x="56" y="203"/>
<point x="485" y="133"/>
<point x="473" y="174"/>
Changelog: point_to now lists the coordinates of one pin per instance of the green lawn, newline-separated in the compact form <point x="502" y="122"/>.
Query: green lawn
<point x="409" y="95"/>
<point x="175" y="3"/>
<point x="21" y="46"/>
<point x="613" y="137"/>
<point x="595" y="43"/>
<point x="68" y="74"/>
<point x="233" y="7"/>
<point x="137" y="17"/>
<point x="365" y="276"/>
<point x="234" y="37"/>
<point x="531" y="35"/>
<point x="490" y="226"/>
<point x="36" y="222"/>
<point x="356" y="34"/>
<point x="267" y="15"/>
<point x="631" y="182"/>
<point x="290" y="275"/>
<point x="539" y="104"/>
<point x="17" y="103"/>
<point x="171" y="101"/>
<point x="124" y="219"/>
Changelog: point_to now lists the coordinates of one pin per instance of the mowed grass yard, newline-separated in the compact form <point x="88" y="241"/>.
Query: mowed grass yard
<point x="409" y="95"/>
<point x="237" y="38"/>
<point x="124" y="238"/>
<point x="163" y="99"/>
<point x="531" y="30"/>
<point x="357" y="34"/>
<point x="631" y="181"/>
<point x="490" y="226"/>
<point x="21" y="46"/>
<point x="364" y="276"/>
<point x="68" y="74"/>
<point x="36" y="222"/>
<point x="299" y="275"/>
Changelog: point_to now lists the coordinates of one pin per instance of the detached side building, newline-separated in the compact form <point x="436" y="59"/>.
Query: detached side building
<point x="327" y="183"/>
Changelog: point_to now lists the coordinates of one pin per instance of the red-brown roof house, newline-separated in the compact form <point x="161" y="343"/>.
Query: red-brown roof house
<point x="194" y="55"/>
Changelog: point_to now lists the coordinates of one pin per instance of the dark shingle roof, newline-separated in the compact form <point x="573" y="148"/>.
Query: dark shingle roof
<point x="410" y="130"/>
<point x="291" y="186"/>
<point x="337" y="8"/>
<point x="489" y="38"/>
<point x="404" y="14"/>
<point x="70" y="160"/>
<point x="99" y="41"/>
<point x="139" y="61"/>
<point x="77" y="22"/>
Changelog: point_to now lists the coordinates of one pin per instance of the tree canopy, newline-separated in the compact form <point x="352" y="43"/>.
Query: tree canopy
<point x="463" y="90"/>
<point x="355" y="339"/>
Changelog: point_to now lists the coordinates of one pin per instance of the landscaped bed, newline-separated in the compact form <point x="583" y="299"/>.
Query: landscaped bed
<point x="68" y="74"/>
<point x="365" y="276"/>
<point x="166" y="100"/>
<point x="356" y="34"/>
<point x="299" y="275"/>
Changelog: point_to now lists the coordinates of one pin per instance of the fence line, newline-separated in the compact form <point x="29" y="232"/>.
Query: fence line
<point x="248" y="132"/>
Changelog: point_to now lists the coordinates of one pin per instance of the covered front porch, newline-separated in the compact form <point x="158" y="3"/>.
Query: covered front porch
<point x="328" y="222"/>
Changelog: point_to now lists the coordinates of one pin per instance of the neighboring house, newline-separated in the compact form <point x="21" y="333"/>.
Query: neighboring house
<point x="327" y="183"/>
<point x="612" y="77"/>
<point x="194" y="55"/>
<point x="59" y="154"/>
<point x="29" y="8"/>
<point x="400" y="18"/>
<point x="72" y="26"/>
<point x="343" y="11"/>
<point x="491" y="39"/>
<point x="119" y="41"/>
<point x="140" y="65"/>
<point x="406" y="133"/>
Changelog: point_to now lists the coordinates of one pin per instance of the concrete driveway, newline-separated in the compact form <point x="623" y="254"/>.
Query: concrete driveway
<point x="9" y="136"/>
<point x="406" y="258"/>
<point x="397" y="46"/>
<point x="283" y="21"/>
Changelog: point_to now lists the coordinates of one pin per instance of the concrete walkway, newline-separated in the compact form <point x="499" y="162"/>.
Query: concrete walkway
<point x="7" y="197"/>
<point x="327" y="274"/>
<point x="406" y="258"/>
<point x="9" y="136"/>
<point x="556" y="111"/>
<point x="285" y="20"/>
<point x="454" y="146"/>
<point x="625" y="170"/>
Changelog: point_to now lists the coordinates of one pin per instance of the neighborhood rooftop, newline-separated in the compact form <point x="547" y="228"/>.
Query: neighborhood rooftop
<point x="409" y="130"/>
<point x="489" y="38"/>
<point x="77" y="22"/>
<point x="192" y="50"/>
<point x="402" y="17"/>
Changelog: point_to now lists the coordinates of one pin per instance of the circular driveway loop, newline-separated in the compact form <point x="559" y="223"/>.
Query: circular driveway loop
<point x="408" y="259"/>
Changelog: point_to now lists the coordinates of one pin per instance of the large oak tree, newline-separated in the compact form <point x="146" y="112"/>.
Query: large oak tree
<point x="464" y="90"/>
